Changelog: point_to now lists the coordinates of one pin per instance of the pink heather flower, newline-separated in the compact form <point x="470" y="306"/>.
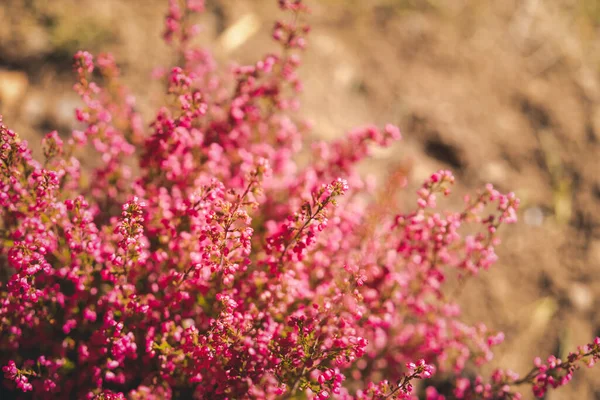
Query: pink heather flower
<point x="202" y="259"/>
<point x="10" y="370"/>
<point x="84" y="62"/>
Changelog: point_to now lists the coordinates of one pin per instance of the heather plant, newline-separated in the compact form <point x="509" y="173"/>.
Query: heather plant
<point x="199" y="259"/>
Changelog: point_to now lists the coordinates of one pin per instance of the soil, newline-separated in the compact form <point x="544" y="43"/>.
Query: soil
<point x="500" y="91"/>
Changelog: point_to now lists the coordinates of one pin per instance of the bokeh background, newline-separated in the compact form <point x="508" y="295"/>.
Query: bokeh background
<point x="500" y="91"/>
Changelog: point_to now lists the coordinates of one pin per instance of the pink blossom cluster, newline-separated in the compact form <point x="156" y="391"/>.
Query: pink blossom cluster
<point x="197" y="257"/>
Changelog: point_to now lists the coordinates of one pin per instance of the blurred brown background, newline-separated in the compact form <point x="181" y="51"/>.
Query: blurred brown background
<point x="501" y="91"/>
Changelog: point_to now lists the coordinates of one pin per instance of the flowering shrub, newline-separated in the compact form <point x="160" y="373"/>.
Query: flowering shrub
<point x="199" y="259"/>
